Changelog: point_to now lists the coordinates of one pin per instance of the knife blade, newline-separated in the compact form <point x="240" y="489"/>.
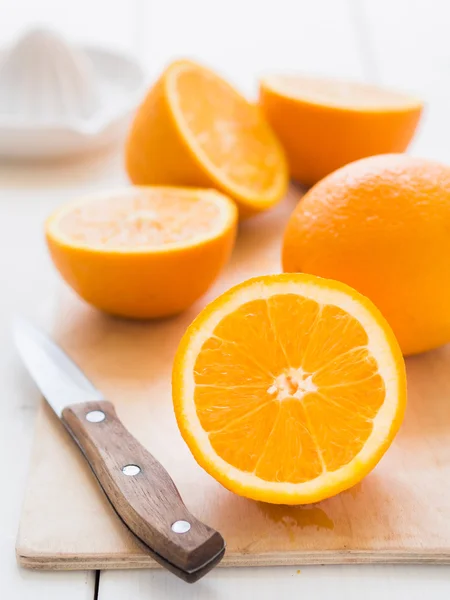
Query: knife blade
<point x="138" y="487"/>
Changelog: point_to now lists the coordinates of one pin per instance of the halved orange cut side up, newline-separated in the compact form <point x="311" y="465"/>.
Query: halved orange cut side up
<point x="143" y="252"/>
<point x="289" y="388"/>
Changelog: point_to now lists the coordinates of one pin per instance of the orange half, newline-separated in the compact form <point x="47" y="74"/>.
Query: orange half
<point x="289" y="388"/>
<point x="194" y="128"/>
<point x="323" y="124"/>
<point x="143" y="252"/>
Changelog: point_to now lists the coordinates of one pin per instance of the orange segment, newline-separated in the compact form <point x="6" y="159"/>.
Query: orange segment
<point x="289" y="388"/>
<point x="356" y="365"/>
<point x="290" y="453"/>
<point x="193" y="128"/>
<point x="132" y="252"/>
<point x="243" y="441"/>
<point x="339" y="434"/>
<point x="249" y="321"/>
<point x="220" y="363"/>
<point x="218" y="406"/>
<point x="287" y="309"/>
<point x="335" y="333"/>
<point x="324" y="124"/>
<point x="347" y="397"/>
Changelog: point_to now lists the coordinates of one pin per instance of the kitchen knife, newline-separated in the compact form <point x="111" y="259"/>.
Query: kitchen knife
<point x="136" y="484"/>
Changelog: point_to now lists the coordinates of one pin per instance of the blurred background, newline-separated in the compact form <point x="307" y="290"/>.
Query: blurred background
<point x="399" y="43"/>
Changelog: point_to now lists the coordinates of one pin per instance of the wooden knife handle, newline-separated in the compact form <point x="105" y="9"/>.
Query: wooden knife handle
<point x="142" y="492"/>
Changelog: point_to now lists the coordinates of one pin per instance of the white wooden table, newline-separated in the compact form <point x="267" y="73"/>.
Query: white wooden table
<point x="403" y="43"/>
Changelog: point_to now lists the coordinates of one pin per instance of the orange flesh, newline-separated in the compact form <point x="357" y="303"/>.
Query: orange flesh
<point x="144" y="218"/>
<point x="228" y="130"/>
<point x="287" y="375"/>
<point x="346" y="94"/>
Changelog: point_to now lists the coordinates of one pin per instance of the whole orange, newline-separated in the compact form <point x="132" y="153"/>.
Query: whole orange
<point x="382" y="225"/>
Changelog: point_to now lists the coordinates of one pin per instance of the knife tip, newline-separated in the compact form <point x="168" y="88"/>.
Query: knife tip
<point x="21" y="328"/>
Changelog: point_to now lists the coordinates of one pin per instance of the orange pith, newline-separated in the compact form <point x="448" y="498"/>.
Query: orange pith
<point x="287" y="389"/>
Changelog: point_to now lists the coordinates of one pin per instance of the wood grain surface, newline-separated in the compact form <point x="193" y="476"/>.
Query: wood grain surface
<point x="399" y="513"/>
<point x="147" y="501"/>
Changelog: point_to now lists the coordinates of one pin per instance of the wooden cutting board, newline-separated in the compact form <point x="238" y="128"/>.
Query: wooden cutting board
<point x="399" y="513"/>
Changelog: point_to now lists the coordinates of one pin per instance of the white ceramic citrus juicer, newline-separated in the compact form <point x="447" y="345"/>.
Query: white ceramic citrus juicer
<point x="58" y="99"/>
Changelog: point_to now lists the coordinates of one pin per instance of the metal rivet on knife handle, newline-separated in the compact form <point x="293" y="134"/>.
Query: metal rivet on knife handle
<point x="131" y="470"/>
<point x="181" y="526"/>
<point x="95" y="416"/>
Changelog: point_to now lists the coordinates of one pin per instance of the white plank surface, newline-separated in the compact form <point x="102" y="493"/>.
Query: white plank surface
<point x="245" y="38"/>
<point x="98" y="22"/>
<point x="280" y="583"/>
<point x="27" y="195"/>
